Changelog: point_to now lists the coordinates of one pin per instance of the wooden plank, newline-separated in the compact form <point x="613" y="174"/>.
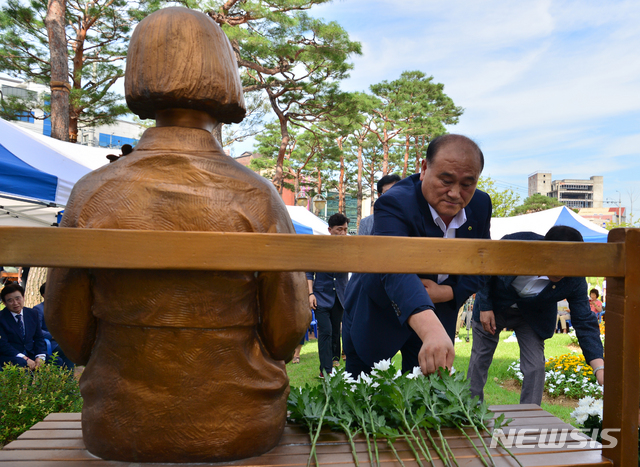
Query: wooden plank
<point x="75" y="443"/>
<point x="45" y="425"/>
<point x="622" y="378"/>
<point x="64" y="417"/>
<point x="51" y="434"/>
<point x="100" y="248"/>
<point x="45" y="454"/>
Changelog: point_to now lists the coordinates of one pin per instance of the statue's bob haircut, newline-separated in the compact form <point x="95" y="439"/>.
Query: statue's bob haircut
<point x="180" y="59"/>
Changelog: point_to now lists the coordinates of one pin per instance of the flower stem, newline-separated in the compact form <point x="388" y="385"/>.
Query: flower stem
<point x="395" y="452"/>
<point x="474" y="446"/>
<point x="415" y="453"/>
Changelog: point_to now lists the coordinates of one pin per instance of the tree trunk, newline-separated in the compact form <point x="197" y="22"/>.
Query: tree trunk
<point x="59" y="84"/>
<point x="217" y="133"/>
<point x="278" y="177"/>
<point x="341" y="190"/>
<point x="319" y="184"/>
<point x="37" y="276"/>
<point x="359" y="187"/>
<point x="372" y="174"/>
<point x="406" y="156"/>
<point x="385" y="158"/>
<point x="419" y="148"/>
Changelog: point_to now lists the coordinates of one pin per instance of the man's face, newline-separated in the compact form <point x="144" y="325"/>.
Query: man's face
<point x="386" y="187"/>
<point x="14" y="301"/>
<point x="339" y="229"/>
<point x="449" y="182"/>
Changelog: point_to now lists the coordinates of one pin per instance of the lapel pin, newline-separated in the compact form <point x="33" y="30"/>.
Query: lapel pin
<point x="469" y="227"/>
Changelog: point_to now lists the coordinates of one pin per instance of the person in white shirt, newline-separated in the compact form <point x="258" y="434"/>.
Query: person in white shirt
<point x="528" y="305"/>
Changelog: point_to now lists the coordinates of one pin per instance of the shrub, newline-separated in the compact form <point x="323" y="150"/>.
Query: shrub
<point x="27" y="397"/>
<point x="567" y="375"/>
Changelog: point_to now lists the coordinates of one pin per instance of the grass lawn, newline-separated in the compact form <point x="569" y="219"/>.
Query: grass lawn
<point x="498" y="390"/>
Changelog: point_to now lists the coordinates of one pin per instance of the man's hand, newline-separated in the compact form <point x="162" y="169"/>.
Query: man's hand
<point x="39" y="362"/>
<point x="438" y="293"/>
<point x="488" y="321"/>
<point x="437" y="349"/>
<point x="313" y="303"/>
<point x="31" y="364"/>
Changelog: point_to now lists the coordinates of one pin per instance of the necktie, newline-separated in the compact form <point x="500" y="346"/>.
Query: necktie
<point x="20" y="325"/>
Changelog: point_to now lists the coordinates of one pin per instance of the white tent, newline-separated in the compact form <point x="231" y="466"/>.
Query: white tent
<point x="541" y="222"/>
<point x="37" y="174"/>
<point x="305" y="222"/>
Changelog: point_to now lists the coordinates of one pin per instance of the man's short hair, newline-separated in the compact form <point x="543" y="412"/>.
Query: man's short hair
<point x="386" y="180"/>
<point x="126" y="149"/>
<point x="10" y="288"/>
<point x="437" y="143"/>
<point x="563" y="233"/>
<point x="338" y="219"/>
<point x="42" y="288"/>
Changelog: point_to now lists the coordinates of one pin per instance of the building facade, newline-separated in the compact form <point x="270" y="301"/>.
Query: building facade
<point x="106" y="136"/>
<point x="573" y="193"/>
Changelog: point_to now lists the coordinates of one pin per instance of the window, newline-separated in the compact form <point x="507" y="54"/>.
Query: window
<point x="115" y="141"/>
<point x="27" y="97"/>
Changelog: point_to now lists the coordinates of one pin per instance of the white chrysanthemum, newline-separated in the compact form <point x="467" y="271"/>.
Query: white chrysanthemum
<point x="364" y="378"/>
<point x="398" y="374"/>
<point x="348" y="378"/>
<point x="382" y="365"/>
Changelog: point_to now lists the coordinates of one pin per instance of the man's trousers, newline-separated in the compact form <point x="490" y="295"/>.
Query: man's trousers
<point x="329" y="320"/>
<point x="531" y="356"/>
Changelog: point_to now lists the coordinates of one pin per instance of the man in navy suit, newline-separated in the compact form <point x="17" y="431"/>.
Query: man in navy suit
<point x="528" y="305"/>
<point x="385" y="313"/>
<point x="55" y="348"/>
<point x="326" y="297"/>
<point x="21" y="340"/>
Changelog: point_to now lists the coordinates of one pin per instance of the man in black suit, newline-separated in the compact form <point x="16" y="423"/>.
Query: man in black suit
<point x="326" y="297"/>
<point x="528" y="305"/>
<point x="20" y="332"/>
<point x="385" y="313"/>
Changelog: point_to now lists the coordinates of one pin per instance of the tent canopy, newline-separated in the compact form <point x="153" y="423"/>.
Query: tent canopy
<point x="36" y="167"/>
<point x="305" y="222"/>
<point x="37" y="174"/>
<point x="541" y="222"/>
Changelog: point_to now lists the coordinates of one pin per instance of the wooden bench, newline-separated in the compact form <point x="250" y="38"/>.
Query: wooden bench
<point x="57" y="441"/>
<point x="618" y="260"/>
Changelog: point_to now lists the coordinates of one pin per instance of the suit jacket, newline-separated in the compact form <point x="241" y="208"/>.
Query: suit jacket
<point x="327" y="286"/>
<point x="541" y="311"/>
<point x="366" y="226"/>
<point x="378" y="305"/>
<point x="39" y="308"/>
<point x="31" y="344"/>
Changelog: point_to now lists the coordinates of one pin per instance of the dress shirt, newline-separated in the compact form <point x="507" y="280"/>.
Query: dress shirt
<point x="21" y="355"/>
<point x="448" y="231"/>
<point x="530" y="286"/>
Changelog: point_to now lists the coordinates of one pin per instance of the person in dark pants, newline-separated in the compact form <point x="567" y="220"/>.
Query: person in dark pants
<point x="326" y="297"/>
<point x="417" y="315"/>
<point x="528" y="305"/>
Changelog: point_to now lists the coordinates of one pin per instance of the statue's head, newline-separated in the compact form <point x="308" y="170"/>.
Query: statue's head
<point x="180" y="59"/>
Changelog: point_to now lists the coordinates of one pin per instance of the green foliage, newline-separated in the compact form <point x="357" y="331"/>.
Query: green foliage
<point x="504" y="201"/>
<point x="535" y="203"/>
<point x="391" y="406"/>
<point x="97" y="37"/>
<point x="26" y="397"/>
